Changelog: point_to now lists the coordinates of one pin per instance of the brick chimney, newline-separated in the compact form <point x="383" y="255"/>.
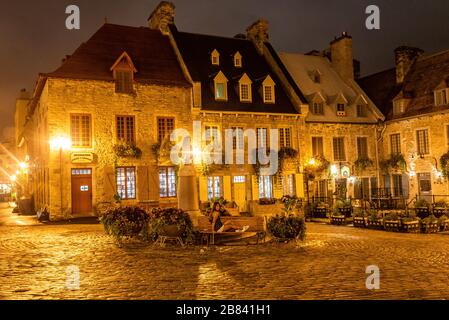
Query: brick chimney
<point x="258" y="34"/>
<point x="162" y="17"/>
<point x="405" y="58"/>
<point x="342" y="57"/>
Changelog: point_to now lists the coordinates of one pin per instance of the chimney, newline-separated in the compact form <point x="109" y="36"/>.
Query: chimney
<point x="405" y="58"/>
<point x="162" y="17"/>
<point x="258" y="34"/>
<point x="342" y="57"/>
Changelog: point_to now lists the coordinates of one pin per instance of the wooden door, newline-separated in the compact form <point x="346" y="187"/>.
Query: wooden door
<point x="240" y="192"/>
<point x="82" y="191"/>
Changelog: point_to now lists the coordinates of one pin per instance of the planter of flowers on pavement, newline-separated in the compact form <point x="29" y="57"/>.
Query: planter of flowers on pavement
<point x="287" y="226"/>
<point x="392" y="222"/>
<point x="410" y="224"/>
<point x="375" y="221"/>
<point x="360" y="219"/>
<point x="444" y="223"/>
<point x="430" y="225"/>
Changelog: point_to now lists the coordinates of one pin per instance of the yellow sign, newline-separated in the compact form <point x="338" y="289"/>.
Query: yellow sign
<point x="82" y="157"/>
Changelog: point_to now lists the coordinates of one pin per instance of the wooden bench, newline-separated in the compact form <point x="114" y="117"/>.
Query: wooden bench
<point x="257" y="228"/>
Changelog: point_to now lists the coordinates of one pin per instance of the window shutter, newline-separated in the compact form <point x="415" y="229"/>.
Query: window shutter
<point x="227" y="188"/>
<point x="143" y="191"/>
<point x="110" y="188"/>
<point x="203" y="189"/>
<point x="153" y="183"/>
<point x="299" y="180"/>
<point x="255" y="188"/>
<point x="405" y="185"/>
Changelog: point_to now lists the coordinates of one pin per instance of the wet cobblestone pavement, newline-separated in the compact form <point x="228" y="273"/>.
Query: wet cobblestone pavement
<point x="331" y="264"/>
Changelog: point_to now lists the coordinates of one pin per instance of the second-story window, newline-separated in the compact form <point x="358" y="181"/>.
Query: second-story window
<point x="81" y="131"/>
<point x="238" y="141"/>
<point x="339" y="149"/>
<point x="165" y="127"/>
<point x="285" y="137"/>
<point x="125" y="129"/>
<point x="212" y="134"/>
<point x="362" y="147"/>
<point x="262" y="139"/>
<point x="317" y="146"/>
<point x="395" y="144"/>
<point x="124" y="81"/>
<point x="422" y="139"/>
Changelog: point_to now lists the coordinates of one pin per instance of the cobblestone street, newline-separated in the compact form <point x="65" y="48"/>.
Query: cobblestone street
<point x="331" y="264"/>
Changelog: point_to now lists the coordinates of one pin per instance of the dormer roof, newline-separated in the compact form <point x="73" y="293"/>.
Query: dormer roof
<point x="124" y="62"/>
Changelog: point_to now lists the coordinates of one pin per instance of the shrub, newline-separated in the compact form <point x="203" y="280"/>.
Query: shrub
<point x="287" y="227"/>
<point x="429" y="220"/>
<point x="126" y="222"/>
<point x="161" y="218"/>
<point x="421" y="203"/>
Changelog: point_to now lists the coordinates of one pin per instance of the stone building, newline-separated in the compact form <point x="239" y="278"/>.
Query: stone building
<point x="339" y="146"/>
<point x="414" y="96"/>
<point x="93" y="124"/>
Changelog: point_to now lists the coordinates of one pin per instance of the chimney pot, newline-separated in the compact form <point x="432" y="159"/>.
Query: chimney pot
<point x="162" y="17"/>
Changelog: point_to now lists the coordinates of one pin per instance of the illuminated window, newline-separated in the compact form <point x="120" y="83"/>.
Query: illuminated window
<point x="318" y="108"/>
<point x="212" y="133"/>
<point x="80" y="126"/>
<point x="167" y="182"/>
<point x="239" y="179"/>
<point x="268" y="95"/>
<point x="262" y="138"/>
<point x="165" y="127"/>
<point x="126" y="182"/>
<point x="238" y="141"/>
<point x="237" y="60"/>
<point x="245" y="93"/>
<point x="215" y="58"/>
<point x="289" y="185"/>
<point x="441" y="97"/>
<point x="265" y="187"/>
<point x="220" y="91"/>
<point x="285" y="138"/>
<point x="214" y="187"/>
<point x="125" y="129"/>
<point x="422" y="139"/>
<point x="317" y="146"/>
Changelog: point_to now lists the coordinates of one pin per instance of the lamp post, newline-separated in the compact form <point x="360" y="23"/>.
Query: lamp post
<point x="60" y="144"/>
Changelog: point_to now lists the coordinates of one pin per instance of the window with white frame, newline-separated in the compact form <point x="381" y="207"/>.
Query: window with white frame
<point x="268" y="95"/>
<point x="339" y="149"/>
<point x="422" y="141"/>
<point x="215" y="58"/>
<point x="441" y="97"/>
<point x="238" y="60"/>
<point x="285" y="138"/>
<point x="220" y="91"/>
<point x="126" y="182"/>
<point x="214" y="187"/>
<point x="245" y="92"/>
<point x="265" y="187"/>
<point x="167" y="182"/>
<point x="262" y="138"/>
<point x="238" y="140"/>
<point x="289" y="185"/>
<point x="398" y="107"/>
<point x="212" y="133"/>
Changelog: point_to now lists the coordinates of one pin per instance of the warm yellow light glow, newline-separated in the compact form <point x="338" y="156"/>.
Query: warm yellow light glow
<point x="197" y="155"/>
<point x="334" y="169"/>
<point x="23" y="165"/>
<point x="13" y="178"/>
<point x="60" y="143"/>
<point x="17" y="172"/>
<point x="312" y="162"/>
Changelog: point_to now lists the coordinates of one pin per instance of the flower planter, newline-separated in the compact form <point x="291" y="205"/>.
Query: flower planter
<point x="320" y="213"/>
<point x="338" y="220"/>
<point x="359" y="222"/>
<point x="346" y="211"/>
<point x="411" y="227"/>
<point x="439" y="212"/>
<point x="392" y="226"/>
<point x="432" y="227"/>
<point x="422" y="212"/>
<point x="444" y="225"/>
<point x="375" y="224"/>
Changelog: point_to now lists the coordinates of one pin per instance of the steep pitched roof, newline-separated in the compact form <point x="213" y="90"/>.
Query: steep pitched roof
<point x="196" y="50"/>
<point x="424" y="77"/>
<point x="150" y="51"/>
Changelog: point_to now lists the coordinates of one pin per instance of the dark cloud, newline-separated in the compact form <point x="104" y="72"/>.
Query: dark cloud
<point x="34" y="39"/>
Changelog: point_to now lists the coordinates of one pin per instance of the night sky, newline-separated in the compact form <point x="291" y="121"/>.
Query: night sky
<point x="34" y="39"/>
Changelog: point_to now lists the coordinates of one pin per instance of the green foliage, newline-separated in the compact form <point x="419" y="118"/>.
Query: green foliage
<point x="392" y="217"/>
<point x="362" y="163"/>
<point x="160" y="218"/>
<point x="429" y="220"/>
<point x="284" y="154"/>
<point x="343" y="203"/>
<point x="443" y="219"/>
<point x="287" y="227"/>
<point x="126" y="222"/>
<point x="441" y="204"/>
<point x="126" y="150"/>
<point x="396" y="162"/>
<point x="444" y="162"/>
<point x="321" y="165"/>
<point x="374" y="216"/>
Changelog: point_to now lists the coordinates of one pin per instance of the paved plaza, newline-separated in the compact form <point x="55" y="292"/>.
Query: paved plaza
<point x="331" y="264"/>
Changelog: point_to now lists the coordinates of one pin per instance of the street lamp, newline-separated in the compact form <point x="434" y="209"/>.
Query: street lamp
<point x="60" y="144"/>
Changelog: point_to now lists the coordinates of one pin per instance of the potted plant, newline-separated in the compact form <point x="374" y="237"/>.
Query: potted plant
<point x="430" y="224"/>
<point x="440" y="208"/>
<point x="286" y="226"/>
<point x="127" y="150"/>
<point x="320" y="210"/>
<point x="359" y="219"/>
<point x="375" y="221"/>
<point x="392" y="222"/>
<point x="422" y="208"/>
<point x="344" y="207"/>
<point x="126" y="222"/>
<point x="338" y="218"/>
<point x="444" y="223"/>
<point x="410" y="223"/>
<point x="170" y="222"/>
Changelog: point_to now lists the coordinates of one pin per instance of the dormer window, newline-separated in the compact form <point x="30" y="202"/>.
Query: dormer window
<point x="317" y="104"/>
<point x="215" y="58"/>
<point x="123" y="70"/>
<point x="221" y="87"/>
<point x="268" y="90"/>
<point x="245" y="91"/>
<point x="341" y="109"/>
<point x="442" y="97"/>
<point x="238" y="60"/>
<point x="398" y="107"/>
<point x="361" y="107"/>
